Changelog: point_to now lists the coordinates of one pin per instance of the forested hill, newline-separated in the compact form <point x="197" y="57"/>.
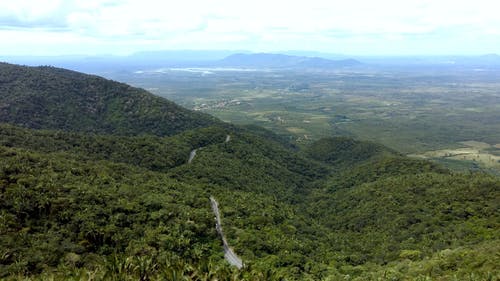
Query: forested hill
<point x="101" y="193"/>
<point x="53" y="98"/>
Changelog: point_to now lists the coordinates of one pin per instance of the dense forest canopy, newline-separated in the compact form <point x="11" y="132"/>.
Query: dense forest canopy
<point x="95" y="184"/>
<point x="53" y="98"/>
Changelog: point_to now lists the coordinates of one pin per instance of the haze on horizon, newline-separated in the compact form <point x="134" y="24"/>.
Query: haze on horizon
<point x="356" y="27"/>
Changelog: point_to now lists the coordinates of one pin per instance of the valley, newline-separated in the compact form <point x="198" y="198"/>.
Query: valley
<point x="413" y="110"/>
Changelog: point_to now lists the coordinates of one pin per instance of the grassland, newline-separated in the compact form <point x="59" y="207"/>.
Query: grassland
<point x="473" y="154"/>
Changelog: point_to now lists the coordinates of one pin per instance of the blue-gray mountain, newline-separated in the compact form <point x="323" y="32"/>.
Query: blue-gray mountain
<point x="264" y="60"/>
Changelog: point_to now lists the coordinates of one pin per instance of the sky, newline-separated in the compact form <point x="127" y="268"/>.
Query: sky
<point x="352" y="27"/>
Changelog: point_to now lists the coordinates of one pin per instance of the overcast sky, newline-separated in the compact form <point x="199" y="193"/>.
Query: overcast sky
<point x="355" y="27"/>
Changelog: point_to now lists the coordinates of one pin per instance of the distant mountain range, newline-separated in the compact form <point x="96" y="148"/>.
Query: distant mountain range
<point x="470" y="61"/>
<point x="265" y="60"/>
<point x="187" y="58"/>
<point x="103" y="64"/>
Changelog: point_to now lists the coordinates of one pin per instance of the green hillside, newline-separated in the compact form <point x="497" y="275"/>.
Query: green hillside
<point x="80" y="204"/>
<point x="151" y="152"/>
<point x="53" y="98"/>
<point x="345" y="151"/>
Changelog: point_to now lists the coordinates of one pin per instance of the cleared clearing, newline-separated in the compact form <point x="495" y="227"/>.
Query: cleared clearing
<point x="475" y="151"/>
<point x="296" y="130"/>
<point x="476" y="144"/>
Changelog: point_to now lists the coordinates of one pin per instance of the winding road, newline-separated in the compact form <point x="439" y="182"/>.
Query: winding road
<point x="229" y="254"/>
<point x="193" y="152"/>
<point x="192" y="155"/>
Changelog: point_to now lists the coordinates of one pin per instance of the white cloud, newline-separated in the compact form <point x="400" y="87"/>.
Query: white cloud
<point x="266" y="25"/>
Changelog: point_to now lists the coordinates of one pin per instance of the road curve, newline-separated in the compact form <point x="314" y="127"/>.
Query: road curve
<point x="229" y="254"/>
<point x="193" y="152"/>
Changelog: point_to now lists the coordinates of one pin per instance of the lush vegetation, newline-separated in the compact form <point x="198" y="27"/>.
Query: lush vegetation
<point x="345" y="151"/>
<point x="77" y="205"/>
<point x="151" y="152"/>
<point x="413" y="109"/>
<point x="53" y="98"/>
